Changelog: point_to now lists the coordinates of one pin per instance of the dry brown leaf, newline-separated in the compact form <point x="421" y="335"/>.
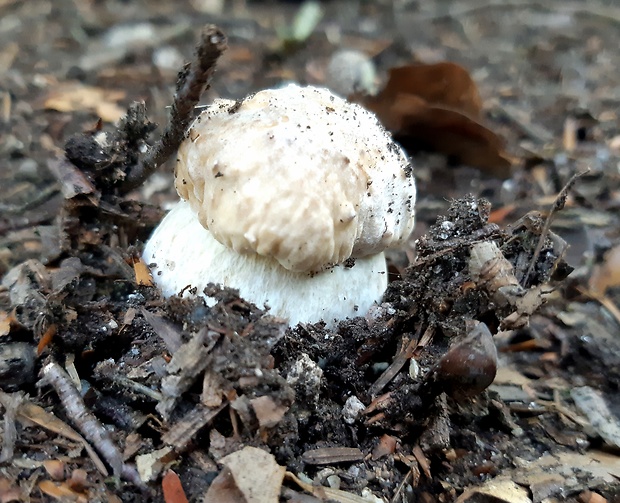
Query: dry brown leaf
<point x="268" y="412"/>
<point x="224" y="490"/>
<point x="5" y="323"/>
<point x="446" y="84"/>
<point x="61" y="492"/>
<point x="500" y="490"/>
<point x="9" y="491"/>
<point x="437" y="107"/>
<point x="172" y="488"/>
<point x="142" y="272"/>
<point x="74" y="96"/>
<point x="593" y="405"/>
<point x="46" y="339"/>
<point x="79" y="480"/>
<point x="8" y="321"/>
<point x="423" y="461"/>
<point x="55" y="468"/>
<point x="499" y="215"/>
<point x="38" y="415"/>
<point x="257" y="477"/>
<point x="386" y="445"/>
<point x="595" y="468"/>
<point x="73" y="181"/>
<point x="607" y="274"/>
<point x="591" y="497"/>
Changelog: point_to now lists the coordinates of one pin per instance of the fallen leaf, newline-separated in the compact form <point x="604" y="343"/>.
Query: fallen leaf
<point x="268" y="412"/>
<point x="386" y="445"/>
<point x="445" y="83"/>
<point x="594" y="469"/>
<point x="328" y="493"/>
<point x="500" y="490"/>
<point x="256" y="476"/>
<point x="46" y="339"/>
<point x="437" y="107"/>
<point x="224" y="490"/>
<point x="607" y="274"/>
<point x="79" y="480"/>
<point x="510" y="375"/>
<point x="5" y="323"/>
<point x="9" y="491"/>
<point x="167" y="331"/>
<point x="142" y="272"/>
<point x="591" y="497"/>
<point x="73" y="182"/>
<point x="38" y="415"/>
<point x="55" y="468"/>
<point x="72" y="96"/>
<point x="499" y="215"/>
<point x="61" y="492"/>
<point x="172" y="488"/>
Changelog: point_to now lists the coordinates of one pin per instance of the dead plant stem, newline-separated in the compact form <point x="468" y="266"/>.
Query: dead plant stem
<point x="193" y="80"/>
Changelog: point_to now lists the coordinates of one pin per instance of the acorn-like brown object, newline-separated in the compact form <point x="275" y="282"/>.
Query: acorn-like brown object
<point x="469" y="366"/>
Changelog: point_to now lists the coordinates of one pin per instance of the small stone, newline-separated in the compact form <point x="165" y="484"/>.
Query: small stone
<point x="353" y="407"/>
<point x="350" y="71"/>
<point x="167" y="58"/>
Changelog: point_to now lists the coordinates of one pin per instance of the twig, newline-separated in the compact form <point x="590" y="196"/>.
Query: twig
<point x="11" y="403"/>
<point x="401" y="486"/>
<point x="558" y="205"/>
<point x="394" y="368"/>
<point x="192" y="82"/>
<point x="86" y="422"/>
<point x="452" y="245"/>
<point x="137" y="387"/>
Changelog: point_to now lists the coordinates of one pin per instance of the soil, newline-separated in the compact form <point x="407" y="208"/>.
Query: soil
<point x="494" y="358"/>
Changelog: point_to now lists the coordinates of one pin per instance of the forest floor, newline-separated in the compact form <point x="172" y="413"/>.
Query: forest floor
<point x="177" y="400"/>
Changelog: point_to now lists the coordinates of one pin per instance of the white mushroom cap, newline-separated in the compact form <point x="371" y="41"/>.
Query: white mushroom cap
<point x="299" y="175"/>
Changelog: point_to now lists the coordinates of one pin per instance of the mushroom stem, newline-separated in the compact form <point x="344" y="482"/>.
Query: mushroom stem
<point x="182" y="253"/>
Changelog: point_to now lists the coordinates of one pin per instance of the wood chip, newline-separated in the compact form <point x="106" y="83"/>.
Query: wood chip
<point x="330" y="455"/>
<point x="183" y="431"/>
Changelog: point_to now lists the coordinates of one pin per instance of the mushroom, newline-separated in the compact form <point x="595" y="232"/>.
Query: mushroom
<point x="289" y="196"/>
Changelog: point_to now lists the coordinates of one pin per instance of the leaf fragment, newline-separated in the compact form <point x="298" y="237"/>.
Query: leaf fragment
<point x="437" y="107"/>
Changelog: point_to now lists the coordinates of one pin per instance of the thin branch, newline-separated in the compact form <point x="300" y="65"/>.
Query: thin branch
<point x="192" y="82"/>
<point x="558" y="205"/>
<point x="86" y="422"/>
<point x="10" y="402"/>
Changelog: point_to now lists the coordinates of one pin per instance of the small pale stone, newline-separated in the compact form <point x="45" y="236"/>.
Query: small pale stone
<point x="353" y="407"/>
